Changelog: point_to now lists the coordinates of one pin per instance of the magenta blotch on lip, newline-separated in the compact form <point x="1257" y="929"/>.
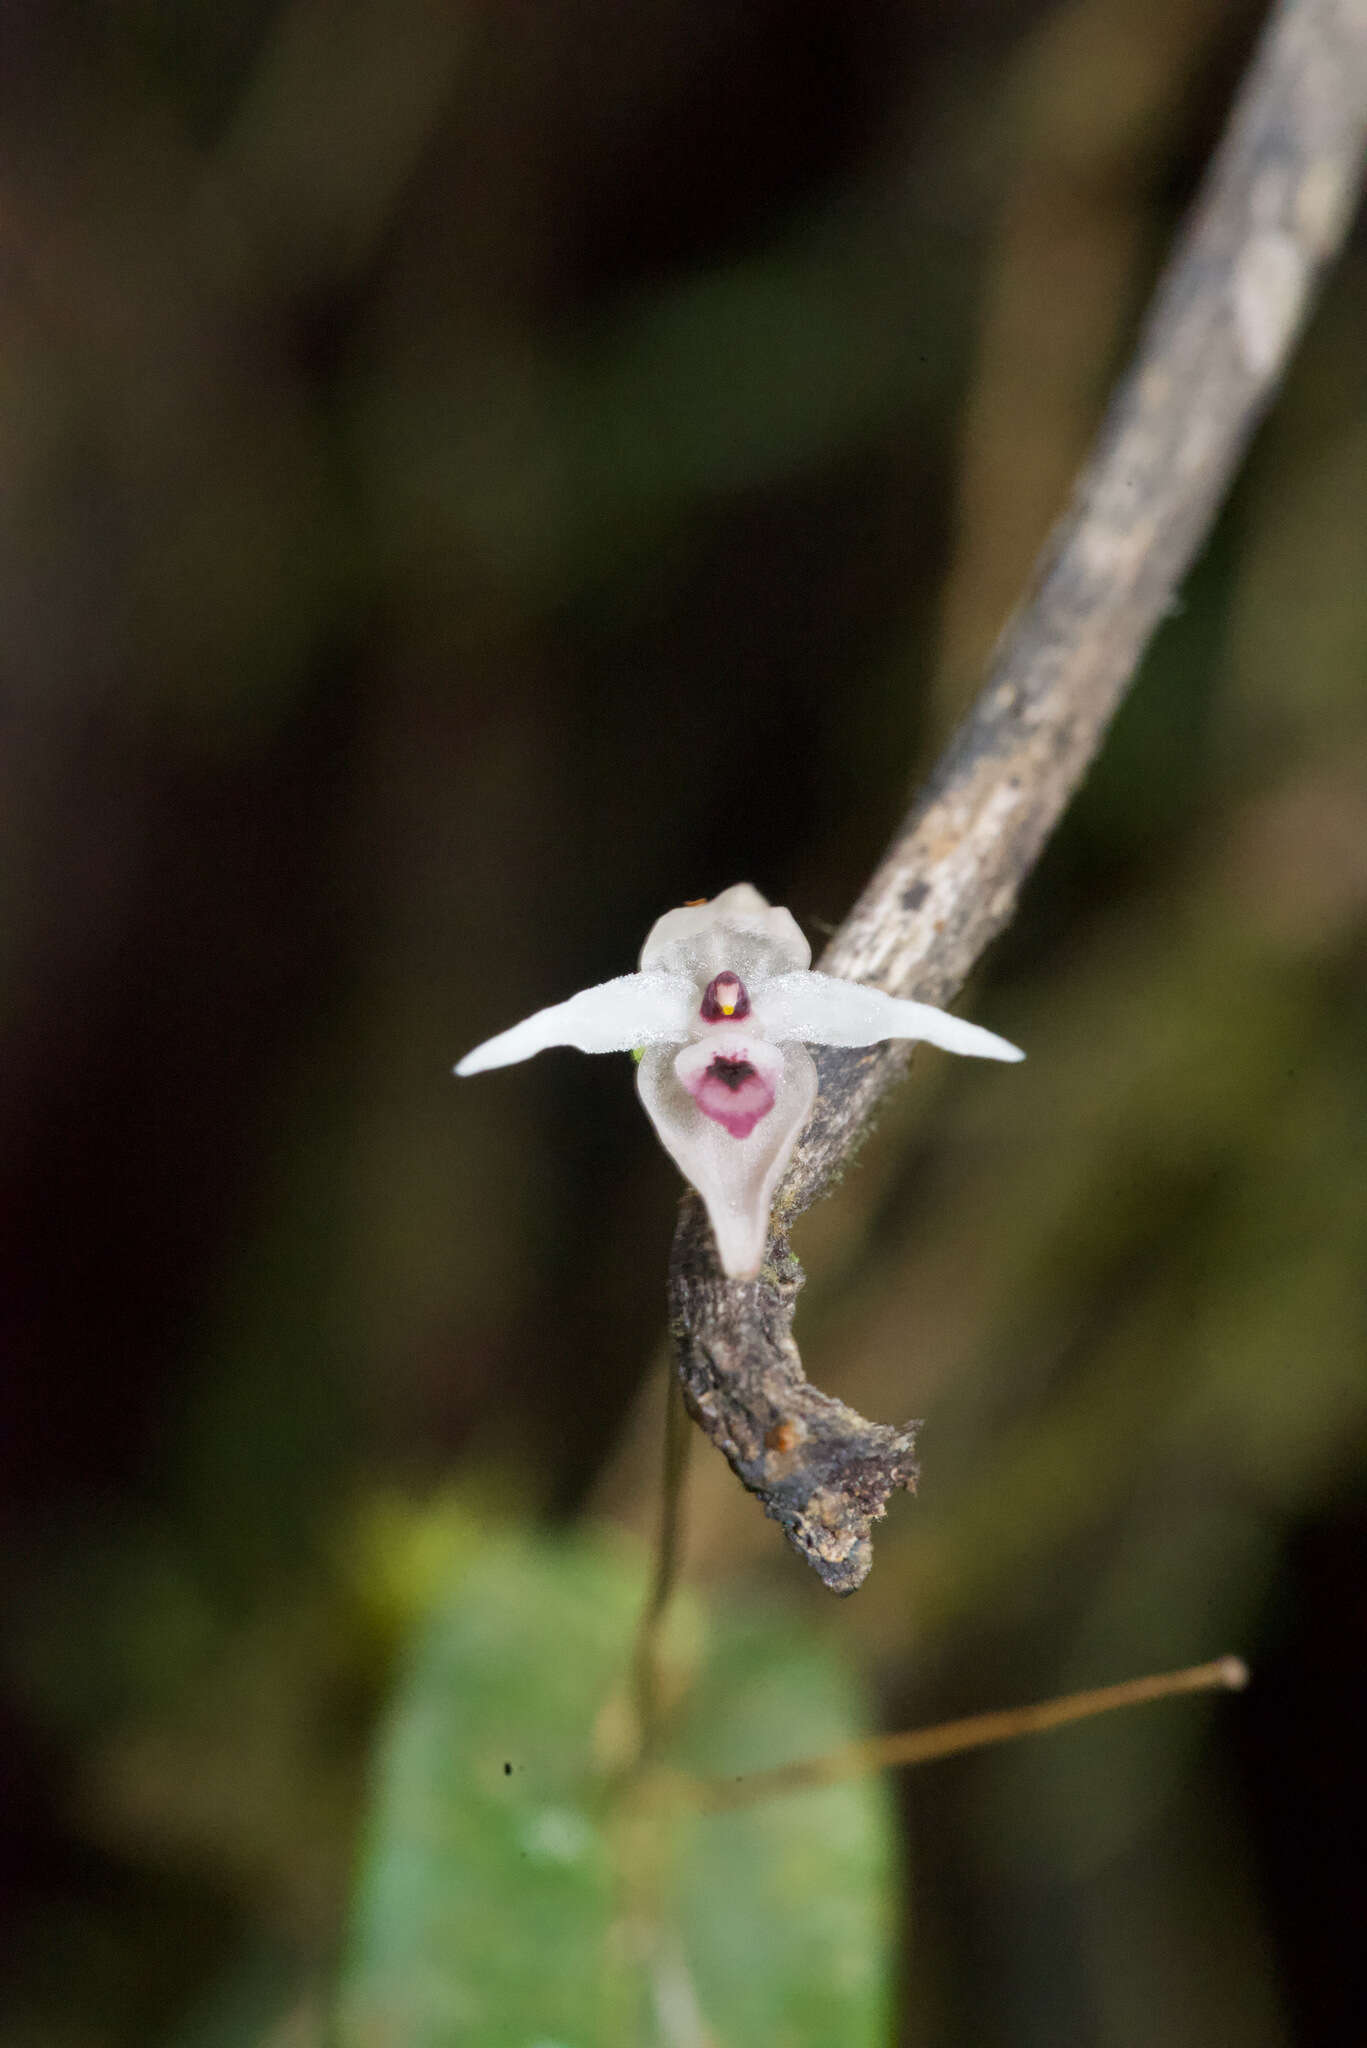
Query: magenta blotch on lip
<point x="733" y="1077"/>
<point x="733" y="1094"/>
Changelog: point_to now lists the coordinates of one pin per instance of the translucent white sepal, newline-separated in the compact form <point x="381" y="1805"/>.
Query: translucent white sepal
<point x="735" y="1177"/>
<point x="740" y="930"/>
<point x="822" y="1010"/>
<point x="615" y="1016"/>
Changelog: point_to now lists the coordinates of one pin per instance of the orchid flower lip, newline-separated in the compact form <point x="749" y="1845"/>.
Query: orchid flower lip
<point x="719" y="1015"/>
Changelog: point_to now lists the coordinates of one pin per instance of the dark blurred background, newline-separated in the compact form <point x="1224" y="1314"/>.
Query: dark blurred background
<point x="473" y="477"/>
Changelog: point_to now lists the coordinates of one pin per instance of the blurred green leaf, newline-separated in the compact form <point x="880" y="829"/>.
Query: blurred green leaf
<point x="504" y="1899"/>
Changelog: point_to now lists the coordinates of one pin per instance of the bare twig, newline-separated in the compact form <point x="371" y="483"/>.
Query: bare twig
<point x="952" y="1738"/>
<point x="1274" y="208"/>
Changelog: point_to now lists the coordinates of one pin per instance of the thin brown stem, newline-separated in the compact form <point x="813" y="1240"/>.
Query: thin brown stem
<point x="951" y="1738"/>
<point x="646" y="1664"/>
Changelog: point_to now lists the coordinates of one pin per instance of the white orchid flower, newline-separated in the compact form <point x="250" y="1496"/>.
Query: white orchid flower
<point x="721" y="1015"/>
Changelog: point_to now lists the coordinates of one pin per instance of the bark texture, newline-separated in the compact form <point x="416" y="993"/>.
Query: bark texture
<point x="1274" y="207"/>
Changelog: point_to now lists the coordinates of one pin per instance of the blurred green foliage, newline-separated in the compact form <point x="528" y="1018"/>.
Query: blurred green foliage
<point x="506" y="1897"/>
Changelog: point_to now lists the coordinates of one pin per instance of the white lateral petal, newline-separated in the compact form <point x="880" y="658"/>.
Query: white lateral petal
<point x="823" y="1010"/>
<point x="736" y="1177"/>
<point x="615" y="1016"/>
<point x="739" y="930"/>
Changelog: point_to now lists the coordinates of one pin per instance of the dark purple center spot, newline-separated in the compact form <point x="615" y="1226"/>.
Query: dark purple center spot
<point x="731" y="1073"/>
